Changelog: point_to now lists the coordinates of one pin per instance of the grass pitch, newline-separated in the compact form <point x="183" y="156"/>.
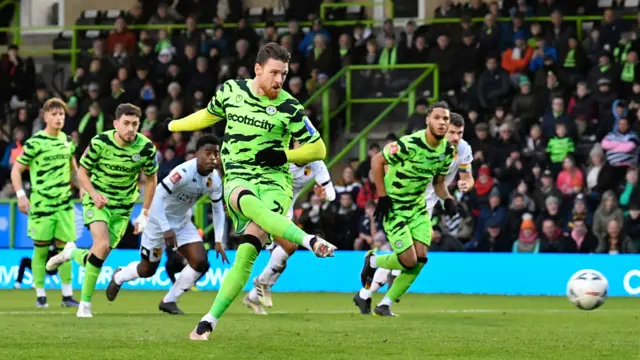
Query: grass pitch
<point x="321" y="326"/>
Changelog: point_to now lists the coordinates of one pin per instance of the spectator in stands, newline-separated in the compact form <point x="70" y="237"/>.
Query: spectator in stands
<point x="610" y="30"/>
<point x="476" y="8"/>
<point x="494" y="210"/>
<point x="527" y="240"/>
<point x="557" y="115"/>
<point x="489" y="36"/>
<point x="493" y="85"/>
<point x="551" y="210"/>
<point x="582" y="109"/>
<point x="604" y="70"/>
<point x="586" y="242"/>
<point x="71" y="120"/>
<point x="307" y="43"/>
<point x="348" y="183"/>
<point x="500" y="117"/>
<point x="629" y="74"/>
<point x="444" y="56"/>
<point x="367" y="191"/>
<point x="558" y="32"/>
<point x="545" y="189"/>
<point x="615" y="241"/>
<point x="632" y="224"/>
<point x="493" y="239"/>
<point x="345" y="223"/>
<point x="553" y="241"/>
<point x="270" y="34"/>
<point x="467" y="99"/>
<point x="607" y="210"/>
<point x="559" y="147"/>
<point x="408" y="37"/>
<point x="571" y="179"/>
<point x="513" y="29"/>
<point x="504" y="147"/>
<point x="541" y="51"/>
<point x="631" y="190"/>
<point x="516" y="59"/>
<point x="572" y="59"/>
<point x="514" y="215"/>
<point x="293" y="30"/>
<point x="535" y="149"/>
<point x="321" y="57"/>
<point x="164" y="15"/>
<point x="109" y="103"/>
<point x="417" y="120"/>
<point x="315" y="216"/>
<point x="122" y="35"/>
<point x="468" y="57"/>
<point x="580" y="210"/>
<point x="444" y="242"/>
<point x="621" y="148"/>
<point x="362" y="171"/>
<point x="371" y="235"/>
<point x="524" y="106"/>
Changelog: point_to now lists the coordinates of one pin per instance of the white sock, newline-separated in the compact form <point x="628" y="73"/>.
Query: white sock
<point x="210" y="319"/>
<point x="253" y="295"/>
<point x="40" y="292"/>
<point x="187" y="279"/>
<point x="306" y="242"/>
<point x="396" y="273"/>
<point x="372" y="262"/>
<point x="380" y="279"/>
<point x="128" y="273"/>
<point x="385" y="301"/>
<point x="365" y="294"/>
<point x="274" y="268"/>
<point x="67" y="290"/>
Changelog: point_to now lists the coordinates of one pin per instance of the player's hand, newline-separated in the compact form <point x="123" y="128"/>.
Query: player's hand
<point x="23" y="205"/>
<point x="383" y="208"/>
<point x="220" y="253"/>
<point x="463" y="185"/>
<point x="271" y="157"/>
<point x="320" y="191"/>
<point x="170" y="239"/>
<point x="450" y="207"/>
<point x="141" y="222"/>
<point x="99" y="200"/>
<point x="81" y="193"/>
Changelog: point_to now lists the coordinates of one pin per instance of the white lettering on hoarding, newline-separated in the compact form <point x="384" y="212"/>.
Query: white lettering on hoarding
<point x="626" y="282"/>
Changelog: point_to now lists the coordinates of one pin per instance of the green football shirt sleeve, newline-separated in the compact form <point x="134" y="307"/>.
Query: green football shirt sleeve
<point x="218" y="101"/>
<point x="150" y="165"/>
<point x="300" y="126"/>
<point x="91" y="153"/>
<point x="397" y="151"/>
<point x="29" y="152"/>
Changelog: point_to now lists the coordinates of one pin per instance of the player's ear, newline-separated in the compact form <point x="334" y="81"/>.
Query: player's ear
<point x="257" y="68"/>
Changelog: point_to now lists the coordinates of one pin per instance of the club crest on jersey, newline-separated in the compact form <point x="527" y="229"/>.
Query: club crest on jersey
<point x="157" y="252"/>
<point x="399" y="244"/>
<point x="89" y="214"/>
<point x="176" y="177"/>
<point x="136" y="157"/>
<point x="271" y="110"/>
<point x="442" y="157"/>
<point x="238" y="98"/>
<point x="310" y="128"/>
<point x="307" y="171"/>
<point x="393" y="148"/>
<point x="209" y="183"/>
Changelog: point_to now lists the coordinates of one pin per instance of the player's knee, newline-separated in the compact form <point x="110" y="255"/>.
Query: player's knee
<point x="201" y="266"/>
<point x="147" y="269"/>
<point x="409" y="262"/>
<point x="101" y="249"/>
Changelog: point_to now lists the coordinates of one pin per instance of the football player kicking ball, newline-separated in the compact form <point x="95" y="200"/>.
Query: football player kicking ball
<point x="261" y="119"/>
<point x="461" y="166"/>
<point x="52" y="168"/>
<point x="260" y="295"/>
<point x="414" y="161"/>
<point x="170" y="225"/>
<point x="109" y="173"/>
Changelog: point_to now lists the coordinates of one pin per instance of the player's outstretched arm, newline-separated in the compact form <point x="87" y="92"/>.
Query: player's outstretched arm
<point x="199" y="120"/>
<point x="307" y="153"/>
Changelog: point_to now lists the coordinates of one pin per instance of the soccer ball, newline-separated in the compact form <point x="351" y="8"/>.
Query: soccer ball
<point x="587" y="289"/>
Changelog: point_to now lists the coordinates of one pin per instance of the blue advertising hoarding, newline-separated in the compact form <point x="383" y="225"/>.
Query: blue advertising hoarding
<point x="464" y="273"/>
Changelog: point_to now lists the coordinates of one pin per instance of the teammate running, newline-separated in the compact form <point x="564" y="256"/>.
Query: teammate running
<point x="170" y="225"/>
<point x="52" y="169"/>
<point x="414" y="161"/>
<point x="261" y="119"/>
<point x="109" y="173"/>
<point x="461" y="166"/>
<point x="260" y="295"/>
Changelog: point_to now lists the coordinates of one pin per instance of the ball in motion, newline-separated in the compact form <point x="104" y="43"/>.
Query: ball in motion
<point x="587" y="289"/>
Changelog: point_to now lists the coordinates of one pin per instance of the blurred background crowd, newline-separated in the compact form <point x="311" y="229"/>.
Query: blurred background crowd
<point x="552" y="111"/>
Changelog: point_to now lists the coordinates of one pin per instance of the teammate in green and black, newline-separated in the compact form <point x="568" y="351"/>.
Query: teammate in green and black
<point x="413" y="162"/>
<point x="52" y="169"/>
<point x="109" y="174"/>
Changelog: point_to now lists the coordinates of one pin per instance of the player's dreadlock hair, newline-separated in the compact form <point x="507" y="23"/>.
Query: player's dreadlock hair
<point x="54" y="104"/>
<point x="128" y="109"/>
<point x="456" y="120"/>
<point x="272" y="51"/>
<point x="435" y="105"/>
<point x="207" y="140"/>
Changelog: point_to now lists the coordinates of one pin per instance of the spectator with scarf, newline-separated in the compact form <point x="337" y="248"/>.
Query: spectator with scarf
<point x="528" y="240"/>
<point x="480" y="194"/>
<point x="586" y="242"/>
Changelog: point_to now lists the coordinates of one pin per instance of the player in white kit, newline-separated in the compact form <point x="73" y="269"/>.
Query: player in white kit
<point x="461" y="166"/>
<point x="170" y="224"/>
<point x="260" y="295"/>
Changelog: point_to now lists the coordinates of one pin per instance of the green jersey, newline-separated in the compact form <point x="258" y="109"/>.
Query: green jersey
<point x="49" y="161"/>
<point x="115" y="170"/>
<point x="255" y="123"/>
<point x="412" y="166"/>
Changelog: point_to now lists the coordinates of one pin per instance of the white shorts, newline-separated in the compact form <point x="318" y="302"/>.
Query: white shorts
<point x="431" y="203"/>
<point x="152" y="244"/>
<point x="293" y="202"/>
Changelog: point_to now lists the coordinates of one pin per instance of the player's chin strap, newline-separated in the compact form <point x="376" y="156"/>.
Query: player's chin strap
<point x="142" y="220"/>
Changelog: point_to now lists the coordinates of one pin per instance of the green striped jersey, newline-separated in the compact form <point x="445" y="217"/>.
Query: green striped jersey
<point x="49" y="161"/>
<point x="115" y="170"/>
<point x="560" y="148"/>
<point x="412" y="166"/>
<point x="255" y="123"/>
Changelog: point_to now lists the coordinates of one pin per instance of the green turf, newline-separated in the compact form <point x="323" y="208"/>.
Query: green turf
<point x="322" y="326"/>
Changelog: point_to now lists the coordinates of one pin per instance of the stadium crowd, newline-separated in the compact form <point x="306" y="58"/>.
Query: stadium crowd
<point x="553" y="119"/>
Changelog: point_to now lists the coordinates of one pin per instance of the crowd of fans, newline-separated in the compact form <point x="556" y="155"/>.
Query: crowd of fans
<point x="552" y="118"/>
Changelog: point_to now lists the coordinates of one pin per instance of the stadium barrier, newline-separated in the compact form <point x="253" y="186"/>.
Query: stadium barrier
<point x="464" y="273"/>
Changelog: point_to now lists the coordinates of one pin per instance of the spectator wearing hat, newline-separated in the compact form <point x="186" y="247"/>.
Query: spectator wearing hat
<point x="579" y="232"/>
<point x="527" y="240"/>
<point x="481" y="143"/>
<point x="72" y="117"/>
<point x="493" y="85"/>
<point x="494" y="210"/>
<point x="580" y="210"/>
<point x="516" y="59"/>
<point x="615" y="241"/>
<point x="553" y="241"/>
<point x="545" y="189"/>
<point x="491" y="239"/>
<point x="524" y="106"/>
<point x="607" y="210"/>
<point x="513" y="29"/>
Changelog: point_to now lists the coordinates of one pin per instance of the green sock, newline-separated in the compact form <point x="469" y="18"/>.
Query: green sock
<point x="38" y="264"/>
<point x="390" y="262"/>
<point x="91" y="274"/>
<point x="64" y="271"/>
<point x="235" y="280"/>
<point x="271" y="222"/>
<point x="402" y="283"/>
<point x="80" y="256"/>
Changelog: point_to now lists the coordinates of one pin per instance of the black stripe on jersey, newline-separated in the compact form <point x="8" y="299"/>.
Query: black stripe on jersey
<point x="240" y="137"/>
<point x="326" y="183"/>
<point x="41" y="173"/>
<point x="217" y="200"/>
<point x="123" y="207"/>
<point x="242" y="84"/>
<point x="147" y="151"/>
<point x="289" y="107"/>
<point x="165" y="187"/>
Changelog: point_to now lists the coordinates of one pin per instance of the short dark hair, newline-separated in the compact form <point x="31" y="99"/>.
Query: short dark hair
<point x="272" y="51"/>
<point x="456" y="120"/>
<point x="207" y="140"/>
<point x="54" y="104"/>
<point x="128" y="109"/>
<point x="435" y="105"/>
<point x="374" y="146"/>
